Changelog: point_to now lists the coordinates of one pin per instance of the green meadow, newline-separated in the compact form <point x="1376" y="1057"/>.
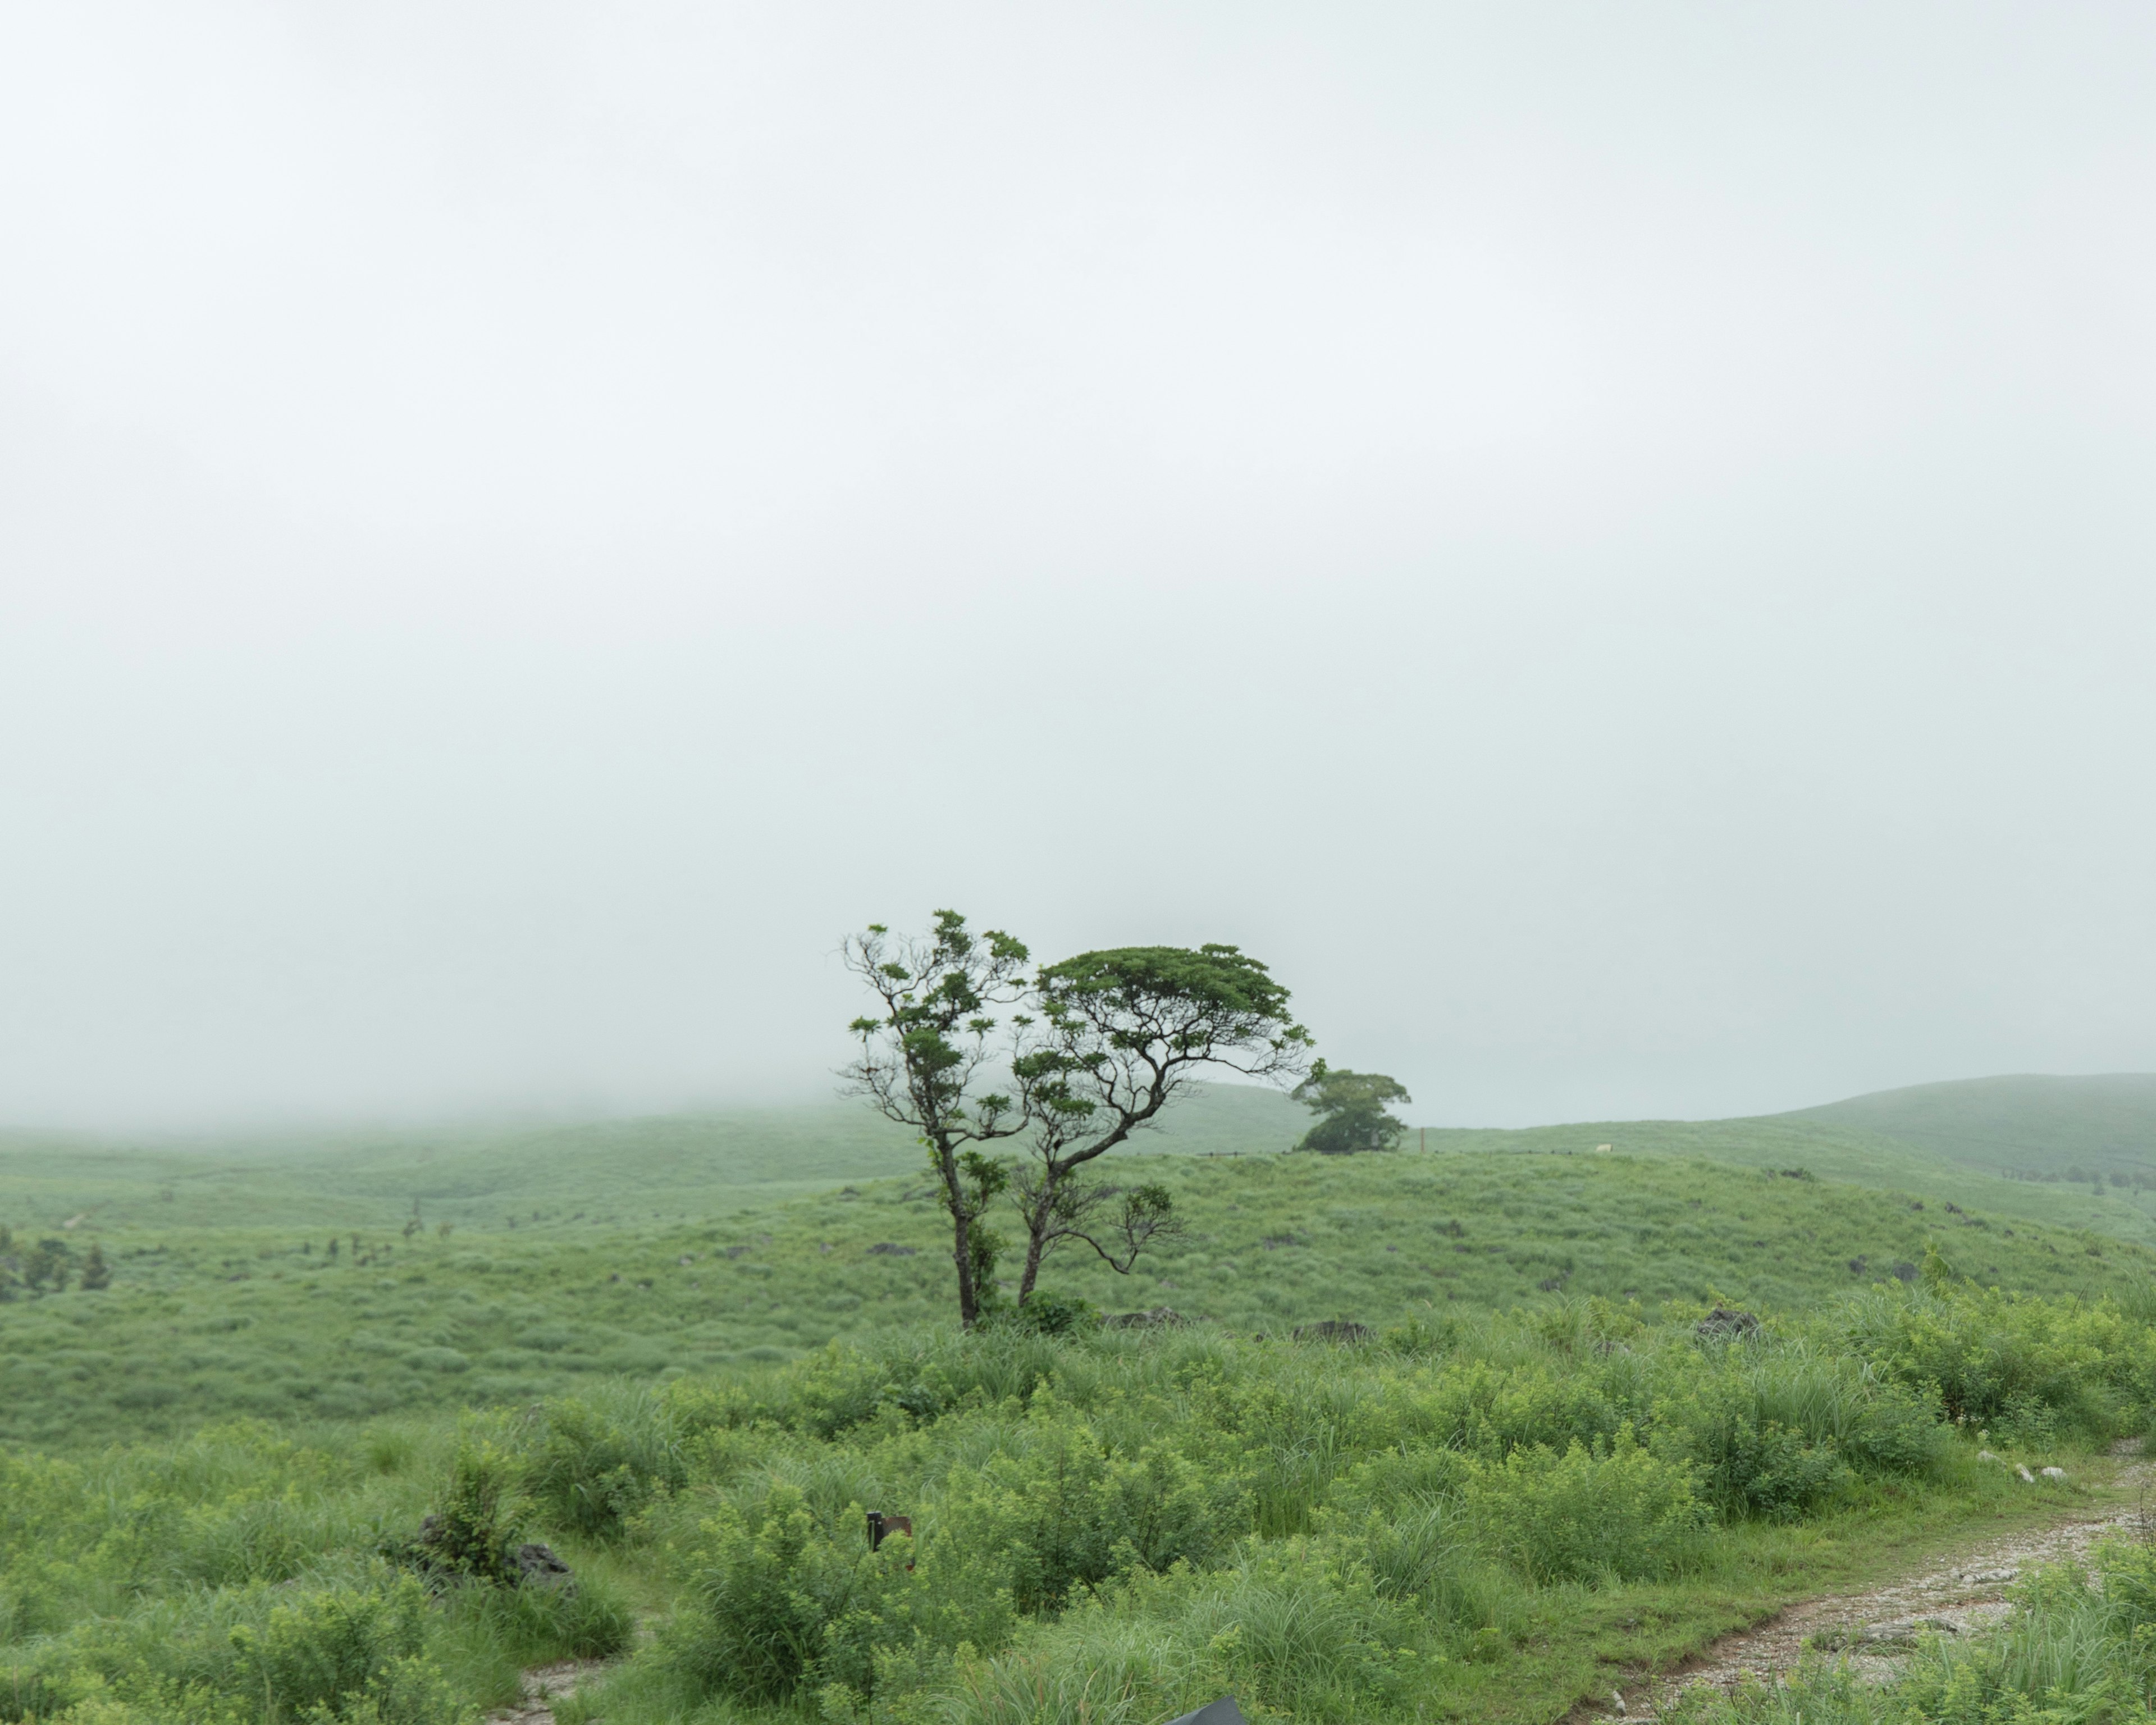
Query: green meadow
<point x="693" y="1354"/>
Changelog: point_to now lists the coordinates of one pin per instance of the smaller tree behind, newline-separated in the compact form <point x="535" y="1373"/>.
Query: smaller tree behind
<point x="1353" y="1109"/>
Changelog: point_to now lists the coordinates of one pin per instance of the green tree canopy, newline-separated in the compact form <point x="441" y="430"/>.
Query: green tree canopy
<point x="1121" y="1033"/>
<point x="1353" y="1109"/>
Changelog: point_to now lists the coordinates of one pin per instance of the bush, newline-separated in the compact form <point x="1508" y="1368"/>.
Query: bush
<point x="1055" y="1315"/>
<point x="475" y="1528"/>
<point x="1588" y="1515"/>
<point x="600" y="1460"/>
<point x="1984" y="1356"/>
<point x="773" y="1586"/>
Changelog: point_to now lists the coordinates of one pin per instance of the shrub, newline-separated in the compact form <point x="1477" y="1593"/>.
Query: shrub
<point x="472" y="1531"/>
<point x="601" y="1460"/>
<point x="771" y="1586"/>
<point x="1586" y="1515"/>
<point x="1047" y="1314"/>
<point x="342" y="1654"/>
<point x="1983" y="1355"/>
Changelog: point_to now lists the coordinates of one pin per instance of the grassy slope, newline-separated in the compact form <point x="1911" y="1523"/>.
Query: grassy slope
<point x="1836" y="1152"/>
<point x="566" y="1254"/>
<point x="206" y="1322"/>
<point x="626" y="1171"/>
<point x="2016" y="1124"/>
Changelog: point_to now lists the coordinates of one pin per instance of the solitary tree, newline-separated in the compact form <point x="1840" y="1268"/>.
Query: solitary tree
<point x="1352" y="1111"/>
<point x="97" y="1273"/>
<point x="923" y="1056"/>
<point x="1121" y="1034"/>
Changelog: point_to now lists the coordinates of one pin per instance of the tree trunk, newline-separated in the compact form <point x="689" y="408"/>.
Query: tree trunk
<point x="962" y="1234"/>
<point x="1036" y="1230"/>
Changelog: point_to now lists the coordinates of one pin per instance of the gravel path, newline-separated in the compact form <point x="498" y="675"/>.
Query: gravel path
<point x="1878" y="1628"/>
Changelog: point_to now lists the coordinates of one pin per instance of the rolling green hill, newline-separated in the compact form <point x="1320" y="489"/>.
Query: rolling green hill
<point x="205" y="1322"/>
<point x="2030" y="1125"/>
<point x="498" y="1264"/>
<point x="622" y="1171"/>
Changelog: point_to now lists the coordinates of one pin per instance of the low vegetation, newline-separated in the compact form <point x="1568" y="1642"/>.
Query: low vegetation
<point x="1467" y="1518"/>
<point x="286" y="1323"/>
<point x="1456" y="1434"/>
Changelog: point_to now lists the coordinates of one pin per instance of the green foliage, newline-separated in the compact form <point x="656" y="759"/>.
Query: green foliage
<point x="1989" y="1357"/>
<point x="1354" y="1110"/>
<point x="1122" y="1034"/>
<point x="475" y="1524"/>
<point x="922" y="1054"/>
<point x="1588" y="1514"/>
<point x="203" y="1326"/>
<point x="603" y="1457"/>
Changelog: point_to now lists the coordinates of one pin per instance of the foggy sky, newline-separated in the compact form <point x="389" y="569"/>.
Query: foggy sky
<point x="1611" y="545"/>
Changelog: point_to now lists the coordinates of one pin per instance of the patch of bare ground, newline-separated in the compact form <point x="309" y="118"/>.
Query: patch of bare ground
<point x="543" y="1685"/>
<point x="1876" y="1630"/>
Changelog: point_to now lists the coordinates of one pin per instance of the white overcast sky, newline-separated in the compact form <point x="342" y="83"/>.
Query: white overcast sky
<point x="1611" y="545"/>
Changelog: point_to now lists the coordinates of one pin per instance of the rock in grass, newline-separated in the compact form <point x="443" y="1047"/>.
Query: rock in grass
<point x="1161" y="1318"/>
<point x="1723" y="1324"/>
<point x="1334" y="1329"/>
<point x="536" y="1565"/>
<point x="1223" y="1711"/>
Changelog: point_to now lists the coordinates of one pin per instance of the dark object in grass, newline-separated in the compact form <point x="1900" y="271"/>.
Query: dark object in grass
<point x="1223" y="1711"/>
<point x="1904" y="1270"/>
<point x="443" y="1556"/>
<point x="1724" y="1325"/>
<point x="882" y="1526"/>
<point x="886" y="1249"/>
<point x="1161" y="1318"/>
<point x="1333" y="1329"/>
<point x="536" y="1565"/>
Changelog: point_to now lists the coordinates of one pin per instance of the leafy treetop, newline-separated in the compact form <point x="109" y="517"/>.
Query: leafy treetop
<point x="1353" y="1110"/>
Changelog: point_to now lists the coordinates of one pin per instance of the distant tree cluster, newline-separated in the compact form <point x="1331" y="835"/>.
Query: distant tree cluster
<point x="48" y="1266"/>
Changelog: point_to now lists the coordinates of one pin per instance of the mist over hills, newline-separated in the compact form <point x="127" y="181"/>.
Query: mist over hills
<point x="2036" y="1147"/>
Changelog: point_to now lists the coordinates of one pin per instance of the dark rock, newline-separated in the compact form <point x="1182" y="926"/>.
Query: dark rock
<point x="1223" y="1711"/>
<point x="1905" y="1272"/>
<point x="536" y="1565"/>
<point x="1334" y="1329"/>
<point x="1723" y="1325"/>
<point x="885" y="1248"/>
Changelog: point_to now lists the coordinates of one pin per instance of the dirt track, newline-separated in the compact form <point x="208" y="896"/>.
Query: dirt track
<point x="1877" y="1628"/>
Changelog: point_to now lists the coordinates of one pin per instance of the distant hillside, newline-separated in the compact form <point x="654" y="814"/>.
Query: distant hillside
<point x="2030" y="1127"/>
<point x="659" y="1166"/>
